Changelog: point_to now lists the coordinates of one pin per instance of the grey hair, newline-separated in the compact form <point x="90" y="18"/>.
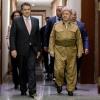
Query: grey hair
<point x="66" y="9"/>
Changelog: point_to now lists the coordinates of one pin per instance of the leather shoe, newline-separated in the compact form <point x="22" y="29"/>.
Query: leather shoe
<point x="70" y="93"/>
<point x="32" y="95"/>
<point x="59" y="89"/>
<point x="75" y="88"/>
<point x="23" y="93"/>
<point x="16" y="87"/>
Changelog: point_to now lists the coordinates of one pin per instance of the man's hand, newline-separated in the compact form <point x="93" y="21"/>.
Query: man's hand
<point x="46" y="49"/>
<point x="86" y="51"/>
<point x="79" y="55"/>
<point x="14" y="53"/>
<point x="51" y="54"/>
<point x="38" y="55"/>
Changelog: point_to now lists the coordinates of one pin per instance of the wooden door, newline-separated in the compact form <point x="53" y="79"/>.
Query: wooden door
<point x="99" y="48"/>
<point x="88" y="16"/>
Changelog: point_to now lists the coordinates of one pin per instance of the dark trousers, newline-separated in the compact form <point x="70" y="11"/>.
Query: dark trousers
<point x="79" y="63"/>
<point x="51" y="66"/>
<point x="27" y="72"/>
<point x="15" y="71"/>
<point x="45" y="57"/>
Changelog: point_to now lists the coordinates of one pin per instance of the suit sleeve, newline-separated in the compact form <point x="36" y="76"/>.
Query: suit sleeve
<point x="47" y="33"/>
<point x="38" y="37"/>
<point x="85" y="38"/>
<point x="13" y="36"/>
<point x="42" y="35"/>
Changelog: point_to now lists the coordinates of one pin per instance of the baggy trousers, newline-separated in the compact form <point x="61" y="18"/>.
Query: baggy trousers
<point x="66" y="61"/>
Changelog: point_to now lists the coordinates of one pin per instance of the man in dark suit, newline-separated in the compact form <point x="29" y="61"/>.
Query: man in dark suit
<point x="48" y="29"/>
<point x="84" y="35"/>
<point x="25" y="45"/>
<point x="44" y="53"/>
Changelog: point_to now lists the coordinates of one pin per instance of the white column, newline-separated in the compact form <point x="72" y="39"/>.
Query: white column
<point x="5" y="23"/>
<point x="76" y="5"/>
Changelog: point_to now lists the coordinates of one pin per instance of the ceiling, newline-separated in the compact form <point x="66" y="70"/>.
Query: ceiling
<point x="37" y="2"/>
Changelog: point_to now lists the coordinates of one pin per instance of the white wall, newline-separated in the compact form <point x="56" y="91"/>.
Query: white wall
<point x="5" y="23"/>
<point x="76" y="5"/>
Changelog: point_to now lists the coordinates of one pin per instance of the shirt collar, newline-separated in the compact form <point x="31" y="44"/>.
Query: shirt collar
<point x="68" y="22"/>
<point x="25" y="18"/>
<point x="57" y="18"/>
<point x="75" y="22"/>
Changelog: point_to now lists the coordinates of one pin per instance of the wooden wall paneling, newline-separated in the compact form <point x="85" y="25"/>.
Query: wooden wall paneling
<point x="88" y="16"/>
<point x="99" y="50"/>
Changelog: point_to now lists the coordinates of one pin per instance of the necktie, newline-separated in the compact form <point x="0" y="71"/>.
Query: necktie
<point x="28" y="25"/>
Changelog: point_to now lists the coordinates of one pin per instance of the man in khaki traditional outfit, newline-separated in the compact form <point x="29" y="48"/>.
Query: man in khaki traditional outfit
<point x="65" y="45"/>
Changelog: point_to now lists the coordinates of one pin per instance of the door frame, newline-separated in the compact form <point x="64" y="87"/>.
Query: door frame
<point x="98" y="27"/>
<point x="0" y="41"/>
<point x="41" y="13"/>
<point x="87" y="71"/>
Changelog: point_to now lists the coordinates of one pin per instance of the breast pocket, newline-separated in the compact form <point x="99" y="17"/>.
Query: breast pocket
<point x="72" y="33"/>
<point x="60" y="34"/>
<point x="59" y="31"/>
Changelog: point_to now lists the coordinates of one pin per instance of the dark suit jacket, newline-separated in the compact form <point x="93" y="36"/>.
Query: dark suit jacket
<point x="84" y="34"/>
<point x="42" y="33"/>
<point x="48" y="29"/>
<point x="20" y="39"/>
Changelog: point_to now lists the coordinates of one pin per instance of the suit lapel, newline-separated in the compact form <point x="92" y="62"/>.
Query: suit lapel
<point x="55" y="19"/>
<point x="24" y="25"/>
<point x="33" y="25"/>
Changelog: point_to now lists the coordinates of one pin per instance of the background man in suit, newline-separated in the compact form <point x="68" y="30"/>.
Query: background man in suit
<point x="48" y="29"/>
<point x="25" y="44"/>
<point x="84" y="35"/>
<point x="44" y="53"/>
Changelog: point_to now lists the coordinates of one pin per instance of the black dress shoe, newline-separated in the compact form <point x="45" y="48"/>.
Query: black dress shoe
<point x="23" y="93"/>
<point x="49" y="77"/>
<point x="70" y="93"/>
<point x="75" y="88"/>
<point x="32" y="93"/>
<point x="59" y="89"/>
<point x="16" y="87"/>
